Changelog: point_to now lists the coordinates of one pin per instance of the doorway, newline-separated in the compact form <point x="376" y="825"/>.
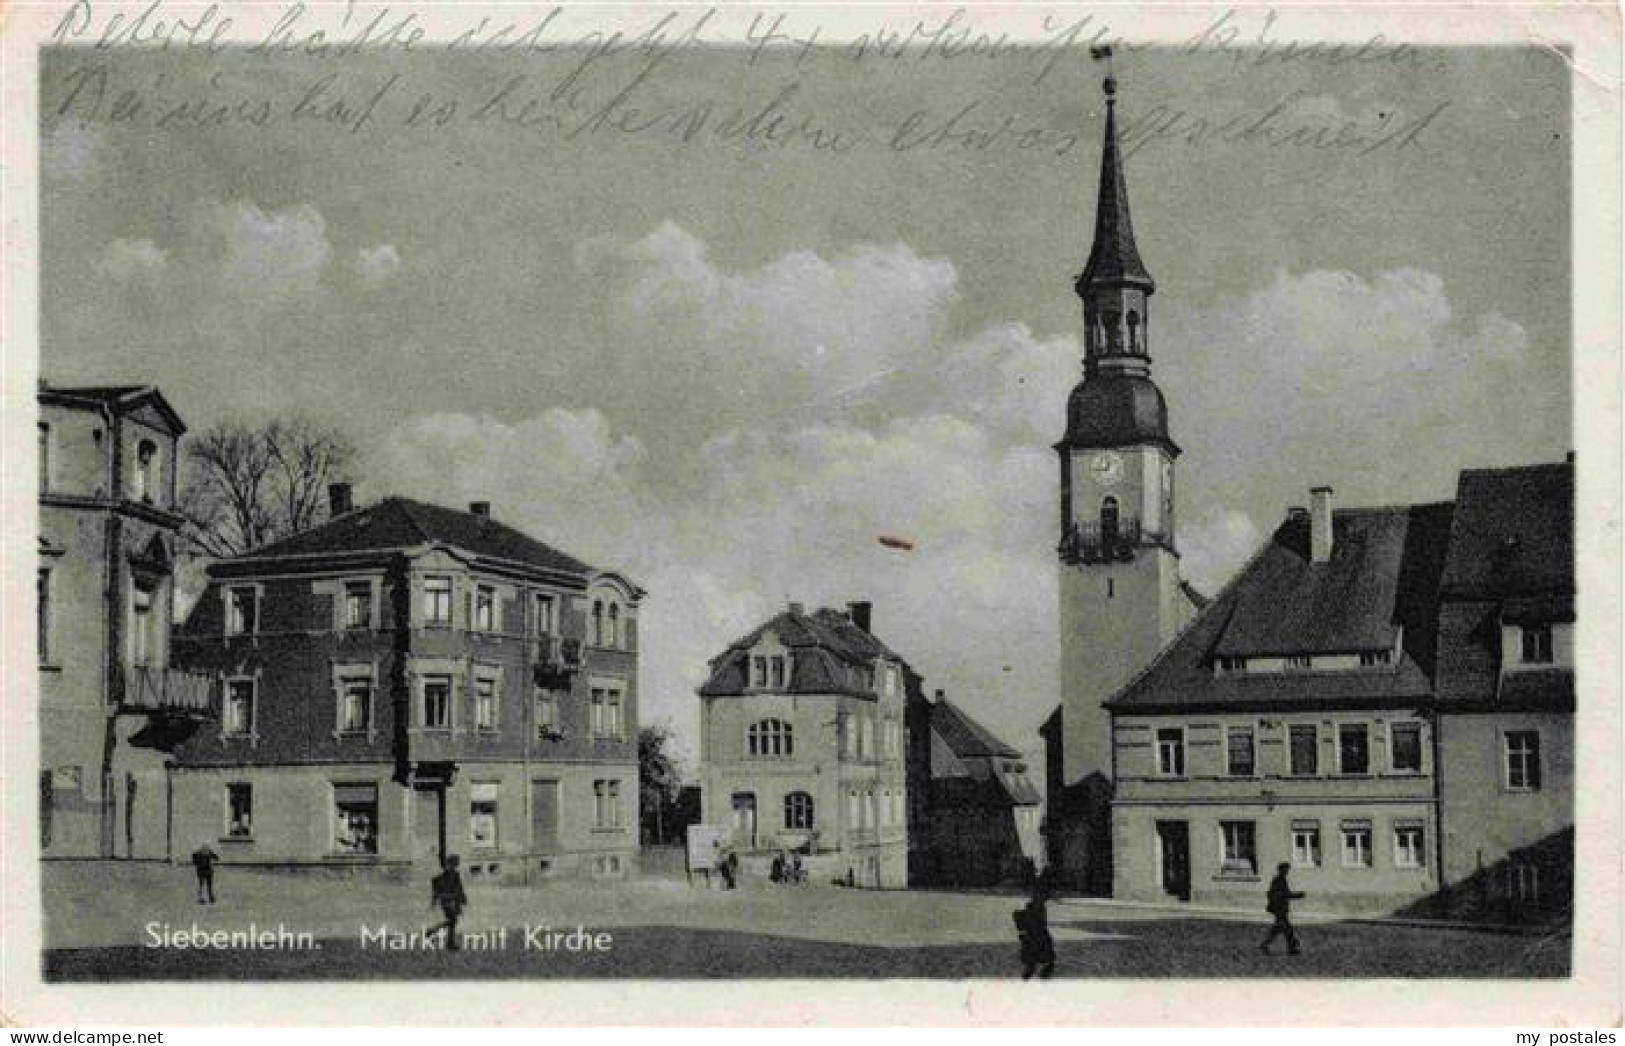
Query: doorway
<point x="1174" y="858"/>
<point x="744" y="807"/>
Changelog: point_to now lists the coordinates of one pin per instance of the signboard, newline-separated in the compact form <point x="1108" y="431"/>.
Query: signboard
<point x="704" y="847"/>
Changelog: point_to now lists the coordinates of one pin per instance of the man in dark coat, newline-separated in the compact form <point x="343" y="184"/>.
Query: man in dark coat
<point x="1037" y="946"/>
<point x="1281" y="896"/>
<point x="203" y="859"/>
<point x="446" y="891"/>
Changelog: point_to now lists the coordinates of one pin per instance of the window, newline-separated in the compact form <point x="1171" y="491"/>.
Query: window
<point x="1239" y="751"/>
<point x="1353" y="749"/>
<point x="242" y="606"/>
<point x="758" y="670"/>
<point x="355" y="818"/>
<point x="486" y="700"/>
<point x="1356" y="844"/>
<point x="1108" y="520"/>
<point x="849" y="734"/>
<point x="238" y="717"/>
<point x="854" y="811"/>
<point x="44" y="457"/>
<point x="141" y="626"/>
<point x="1305" y="750"/>
<point x="1306" y="844"/>
<point x="866" y="738"/>
<point x="606" y="804"/>
<point x="1238" y="848"/>
<point x="1171" y="752"/>
<point x="606" y="712"/>
<point x="1537" y="644"/>
<point x="770" y="738"/>
<point x="355" y="704"/>
<point x="358" y="604"/>
<point x="1230" y="664"/>
<point x="1405" y="748"/>
<point x="437" y="601"/>
<point x="239" y="810"/>
<point x="547" y="714"/>
<point x="482" y="815"/>
<point x="776" y="675"/>
<point x="613" y="637"/>
<point x="1300" y="662"/>
<point x="42" y="610"/>
<point x="597" y="623"/>
<point x="798" y="811"/>
<point x="485" y="608"/>
<point x="1375" y="658"/>
<point x="436" y="710"/>
<point x="1523" y="760"/>
<point x="1408" y="851"/>
<point x="541" y="615"/>
<point x="146" y="467"/>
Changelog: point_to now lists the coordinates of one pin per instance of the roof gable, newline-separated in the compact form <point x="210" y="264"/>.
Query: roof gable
<point x="964" y="736"/>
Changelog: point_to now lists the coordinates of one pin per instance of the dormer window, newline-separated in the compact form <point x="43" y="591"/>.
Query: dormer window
<point x="1225" y="665"/>
<point x="242" y="610"/>
<point x="1300" y="663"/>
<point x="1537" y="644"/>
<point x="1376" y="658"/>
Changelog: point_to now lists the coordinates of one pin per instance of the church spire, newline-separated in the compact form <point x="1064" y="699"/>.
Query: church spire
<point x="1115" y="286"/>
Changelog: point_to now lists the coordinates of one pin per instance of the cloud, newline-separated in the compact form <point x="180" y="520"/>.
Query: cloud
<point x="1216" y="547"/>
<point x="377" y="263"/>
<point x="124" y="259"/>
<point x="68" y="150"/>
<point x="273" y="246"/>
<point x="804" y="332"/>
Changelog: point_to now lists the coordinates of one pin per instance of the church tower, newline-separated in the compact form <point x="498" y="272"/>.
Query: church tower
<point x="1121" y="595"/>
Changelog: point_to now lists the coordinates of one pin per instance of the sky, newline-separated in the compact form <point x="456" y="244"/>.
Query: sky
<point x="725" y="356"/>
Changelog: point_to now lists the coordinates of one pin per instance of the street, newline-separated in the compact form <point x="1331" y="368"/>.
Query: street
<point x="119" y="922"/>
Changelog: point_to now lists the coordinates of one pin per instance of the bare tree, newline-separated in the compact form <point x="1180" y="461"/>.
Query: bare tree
<point x="248" y="486"/>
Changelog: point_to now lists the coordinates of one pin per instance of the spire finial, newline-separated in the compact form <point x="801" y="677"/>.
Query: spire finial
<point x="1103" y="53"/>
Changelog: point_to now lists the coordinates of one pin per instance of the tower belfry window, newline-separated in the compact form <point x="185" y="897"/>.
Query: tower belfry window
<point x="1108" y="520"/>
<point x="1133" y="331"/>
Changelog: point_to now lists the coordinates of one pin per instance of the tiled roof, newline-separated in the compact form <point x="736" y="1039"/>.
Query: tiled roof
<point x="964" y="735"/>
<point x="826" y="643"/>
<point x="1381" y="576"/>
<point x="397" y="523"/>
<point x="1513" y="533"/>
<point x="1549" y="689"/>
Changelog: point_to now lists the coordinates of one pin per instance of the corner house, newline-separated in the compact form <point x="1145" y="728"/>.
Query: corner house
<point x="408" y="681"/>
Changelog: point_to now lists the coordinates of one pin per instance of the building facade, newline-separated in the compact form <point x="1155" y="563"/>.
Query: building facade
<point x="802" y="742"/>
<point x="111" y="706"/>
<point x="1121" y="595"/>
<point x="1292" y="723"/>
<point x="1506" y="695"/>
<point x="407" y="681"/>
<point x="975" y="812"/>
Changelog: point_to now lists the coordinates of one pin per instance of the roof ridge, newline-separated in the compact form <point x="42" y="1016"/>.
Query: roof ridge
<point x="405" y="506"/>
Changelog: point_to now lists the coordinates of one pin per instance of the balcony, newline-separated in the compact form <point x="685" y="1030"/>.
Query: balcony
<point x="557" y="659"/>
<point x="168" y="691"/>
<point x="1093" y="543"/>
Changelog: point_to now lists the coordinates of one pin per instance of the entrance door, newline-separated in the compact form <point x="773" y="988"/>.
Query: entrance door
<point x="1174" y="857"/>
<point x="427" y="831"/>
<point x="745" y="820"/>
<point x="544" y="815"/>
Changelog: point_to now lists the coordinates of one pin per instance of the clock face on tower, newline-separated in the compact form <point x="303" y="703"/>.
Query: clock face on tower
<point x="1106" y="467"/>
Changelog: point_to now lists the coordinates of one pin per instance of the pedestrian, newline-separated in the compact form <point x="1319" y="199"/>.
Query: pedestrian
<point x="446" y="892"/>
<point x="1037" y="946"/>
<point x="1279" y="904"/>
<point x="203" y="859"/>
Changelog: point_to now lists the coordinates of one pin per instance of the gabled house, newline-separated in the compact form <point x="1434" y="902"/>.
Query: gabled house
<point x="802" y="746"/>
<point x="408" y="681"/>
<point x="976" y="809"/>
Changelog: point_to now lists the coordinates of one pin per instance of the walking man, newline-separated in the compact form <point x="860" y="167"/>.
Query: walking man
<point x="446" y="892"/>
<point x="1037" y="946"/>
<point x="203" y="859"/>
<point x="1281" y="896"/>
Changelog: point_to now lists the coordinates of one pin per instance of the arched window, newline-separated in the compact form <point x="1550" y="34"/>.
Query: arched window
<point x="146" y="470"/>
<point x="798" y="810"/>
<point x="1108" y="519"/>
<point x="770" y="738"/>
<point x="597" y="623"/>
<point x="614" y="638"/>
<point x="1133" y="331"/>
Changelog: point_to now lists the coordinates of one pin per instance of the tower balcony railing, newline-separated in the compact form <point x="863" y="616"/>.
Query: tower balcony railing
<point x="168" y="691"/>
<point x="1095" y="543"/>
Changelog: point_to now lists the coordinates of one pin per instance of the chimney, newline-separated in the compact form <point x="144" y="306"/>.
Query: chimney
<point x="940" y="695"/>
<point x="798" y="608"/>
<point x="859" y="612"/>
<point x="338" y="499"/>
<point x="481" y="509"/>
<point x="1320" y="524"/>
